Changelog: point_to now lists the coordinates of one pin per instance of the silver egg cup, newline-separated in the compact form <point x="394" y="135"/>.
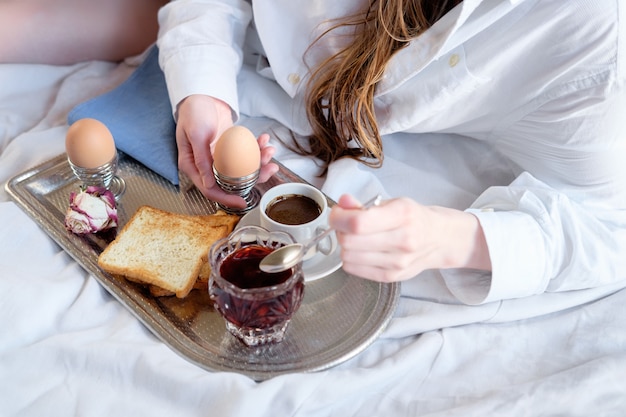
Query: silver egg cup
<point x="241" y="186"/>
<point x="102" y="176"/>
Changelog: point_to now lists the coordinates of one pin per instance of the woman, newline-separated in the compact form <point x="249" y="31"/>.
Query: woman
<point x="69" y="31"/>
<point x="539" y="81"/>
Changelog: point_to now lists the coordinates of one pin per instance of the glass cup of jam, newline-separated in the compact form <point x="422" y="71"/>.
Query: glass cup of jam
<point x="256" y="306"/>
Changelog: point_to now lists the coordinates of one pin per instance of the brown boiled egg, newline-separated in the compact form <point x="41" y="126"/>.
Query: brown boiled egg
<point x="236" y="153"/>
<point x="89" y="143"/>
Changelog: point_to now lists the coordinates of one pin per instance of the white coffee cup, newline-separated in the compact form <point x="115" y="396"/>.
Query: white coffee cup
<point x="301" y="232"/>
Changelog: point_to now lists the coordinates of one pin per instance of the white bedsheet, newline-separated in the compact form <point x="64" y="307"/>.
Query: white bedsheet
<point x="67" y="348"/>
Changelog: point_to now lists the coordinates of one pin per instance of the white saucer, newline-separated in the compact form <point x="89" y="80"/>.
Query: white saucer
<point x="318" y="266"/>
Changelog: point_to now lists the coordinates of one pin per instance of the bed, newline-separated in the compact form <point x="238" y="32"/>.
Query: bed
<point x="68" y="347"/>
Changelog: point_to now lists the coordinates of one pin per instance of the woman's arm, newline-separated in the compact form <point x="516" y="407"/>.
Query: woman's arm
<point x="201" y="53"/>
<point x="200" y="48"/>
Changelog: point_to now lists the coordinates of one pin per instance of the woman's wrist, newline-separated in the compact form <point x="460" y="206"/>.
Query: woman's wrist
<point x="463" y="243"/>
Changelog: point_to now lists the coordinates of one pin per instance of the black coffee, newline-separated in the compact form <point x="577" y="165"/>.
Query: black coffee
<point x="293" y="209"/>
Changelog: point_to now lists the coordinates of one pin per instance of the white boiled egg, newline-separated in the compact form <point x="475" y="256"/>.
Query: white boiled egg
<point x="89" y="143"/>
<point x="237" y="153"/>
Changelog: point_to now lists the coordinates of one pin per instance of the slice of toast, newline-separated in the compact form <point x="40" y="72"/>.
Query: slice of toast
<point x="221" y="218"/>
<point x="164" y="249"/>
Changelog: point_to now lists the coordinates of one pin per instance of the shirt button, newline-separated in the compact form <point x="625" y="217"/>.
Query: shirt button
<point x="293" y="78"/>
<point x="454" y="59"/>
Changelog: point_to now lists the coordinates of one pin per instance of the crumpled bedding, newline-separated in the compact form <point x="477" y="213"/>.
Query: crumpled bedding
<point x="68" y="348"/>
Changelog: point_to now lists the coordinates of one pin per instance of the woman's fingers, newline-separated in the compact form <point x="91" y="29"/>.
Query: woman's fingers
<point x="268" y="168"/>
<point x="201" y="120"/>
<point x="382" y="243"/>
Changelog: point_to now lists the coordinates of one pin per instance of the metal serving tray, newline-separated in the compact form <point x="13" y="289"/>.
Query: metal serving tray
<point x="340" y="316"/>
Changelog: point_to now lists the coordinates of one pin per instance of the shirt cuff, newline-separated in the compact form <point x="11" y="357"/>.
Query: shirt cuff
<point x="517" y="257"/>
<point x="210" y="72"/>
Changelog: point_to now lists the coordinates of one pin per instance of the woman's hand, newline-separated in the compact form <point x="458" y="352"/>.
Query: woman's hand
<point x="401" y="238"/>
<point x="201" y="121"/>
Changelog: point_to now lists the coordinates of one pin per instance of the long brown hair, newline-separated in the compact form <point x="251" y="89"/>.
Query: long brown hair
<point x="340" y="92"/>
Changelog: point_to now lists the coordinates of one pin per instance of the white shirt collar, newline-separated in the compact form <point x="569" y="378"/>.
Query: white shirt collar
<point x="458" y="25"/>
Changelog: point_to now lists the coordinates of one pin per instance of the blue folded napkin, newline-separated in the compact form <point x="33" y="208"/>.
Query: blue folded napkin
<point x="138" y="114"/>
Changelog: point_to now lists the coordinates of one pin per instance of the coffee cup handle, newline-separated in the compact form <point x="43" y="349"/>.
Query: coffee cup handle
<point x="327" y="245"/>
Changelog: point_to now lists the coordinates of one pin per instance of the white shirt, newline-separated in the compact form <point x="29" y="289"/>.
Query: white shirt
<point x="540" y="81"/>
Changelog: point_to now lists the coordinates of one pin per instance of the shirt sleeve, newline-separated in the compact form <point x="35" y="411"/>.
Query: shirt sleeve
<point x="201" y="48"/>
<point x="563" y="227"/>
